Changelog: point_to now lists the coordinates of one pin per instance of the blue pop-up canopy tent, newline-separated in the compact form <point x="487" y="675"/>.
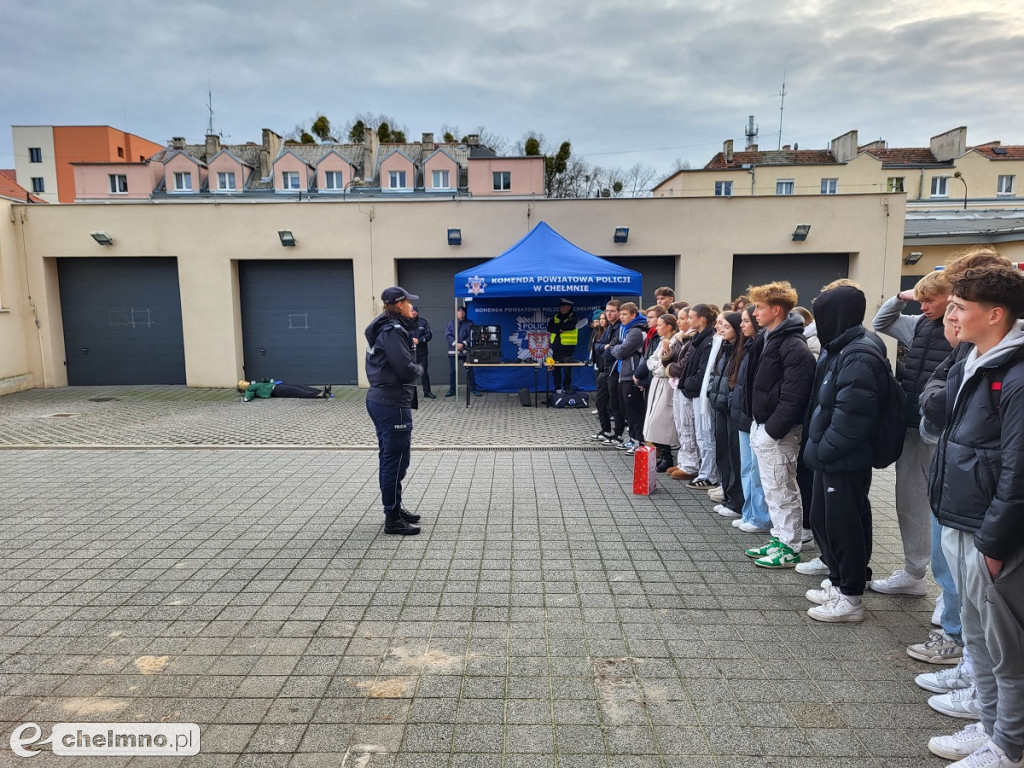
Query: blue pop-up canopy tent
<point x="520" y="290"/>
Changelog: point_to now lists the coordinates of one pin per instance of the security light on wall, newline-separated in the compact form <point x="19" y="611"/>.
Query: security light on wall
<point x="454" y="237"/>
<point x="287" y="238"/>
<point x="801" y="232"/>
<point x="913" y="257"/>
<point x="102" y="238"/>
<point x="621" y="234"/>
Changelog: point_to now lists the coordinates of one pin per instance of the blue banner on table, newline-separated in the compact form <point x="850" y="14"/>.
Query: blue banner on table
<point x="525" y="338"/>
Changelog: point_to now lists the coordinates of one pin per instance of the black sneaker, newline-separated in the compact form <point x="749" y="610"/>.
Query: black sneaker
<point x="450" y="393"/>
<point x="700" y="484"/>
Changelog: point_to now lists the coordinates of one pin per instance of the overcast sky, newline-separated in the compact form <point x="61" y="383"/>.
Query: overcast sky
<point x="626" y="82"/>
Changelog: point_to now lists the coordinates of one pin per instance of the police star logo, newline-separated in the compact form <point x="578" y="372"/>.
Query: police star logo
<point x="476" y="285"/>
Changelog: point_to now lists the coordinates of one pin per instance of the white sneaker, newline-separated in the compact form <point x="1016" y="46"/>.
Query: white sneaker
<point x="717" y="494"/>
<point x="987" y="756"/>
<point x="751" y="528"/>
<point x="813" y="567"/>
<point x="939" y="648"/>
<point x="724" y="511"/>
<point x="808" y="536"/>
<point x="900" y="583"/>
<point x="962" y="703"/>
<point x="940" y="603"/>
<point x="737" y="523"/>
<point x="821" y="596"/>
<point x="960" y="744"/>
<point x="945" y="680"/>
<point x="839" y="608"/>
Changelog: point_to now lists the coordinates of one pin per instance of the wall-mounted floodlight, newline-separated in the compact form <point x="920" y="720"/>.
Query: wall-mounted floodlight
<point x="287" y="238"/>
<point x="621" y="234"/>
<point x="454" y="237"/>
<point x="801" y="231"/>
<point x="913" y="257"/>
<point x="102" y="238"/>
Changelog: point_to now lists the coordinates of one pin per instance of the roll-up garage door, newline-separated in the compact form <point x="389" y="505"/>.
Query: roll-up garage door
<point x="656" y="270"/>
<point x="431" y="280"/>
<point x="122" y="321"/>
<point x="807" y="272"/>
<point x="298" y="321"/>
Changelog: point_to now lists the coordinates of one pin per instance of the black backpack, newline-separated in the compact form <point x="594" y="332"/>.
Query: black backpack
<point x="892" y="425"/>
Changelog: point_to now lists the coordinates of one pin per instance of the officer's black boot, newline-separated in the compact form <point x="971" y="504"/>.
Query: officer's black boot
<point x="394" y="523"/>
<point x="409" y="517"/>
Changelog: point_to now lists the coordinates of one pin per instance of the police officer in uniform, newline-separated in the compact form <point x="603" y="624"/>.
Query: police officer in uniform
<point x="392" y="370"/>
<point x="564" y="335"/>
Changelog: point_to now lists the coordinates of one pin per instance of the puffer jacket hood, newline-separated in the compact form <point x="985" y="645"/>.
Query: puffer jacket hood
<point x="838" y="310"/>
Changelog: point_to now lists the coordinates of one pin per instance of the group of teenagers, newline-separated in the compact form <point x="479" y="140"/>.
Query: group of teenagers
<point x="775" y="411"/>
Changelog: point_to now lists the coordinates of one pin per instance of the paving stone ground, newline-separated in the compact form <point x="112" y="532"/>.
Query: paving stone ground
<point x="545" y="617"/>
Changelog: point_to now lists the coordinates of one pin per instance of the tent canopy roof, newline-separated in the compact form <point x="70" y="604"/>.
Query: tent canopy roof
<point x="546" y="264"/>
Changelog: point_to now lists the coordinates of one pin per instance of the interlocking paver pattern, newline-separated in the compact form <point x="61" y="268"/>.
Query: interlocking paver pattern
<point x="545" y="617"/>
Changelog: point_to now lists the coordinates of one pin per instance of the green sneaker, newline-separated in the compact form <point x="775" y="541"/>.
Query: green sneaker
<point x="780" y="556"/>
<point x="764" y="549"/>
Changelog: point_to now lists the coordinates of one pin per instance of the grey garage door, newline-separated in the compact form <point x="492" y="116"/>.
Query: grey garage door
<point x="298" y="321"/>
<point x="656" y="270"/>
<point x="431" y="280"/>
<point x="122" y="321"/>
<point x="807" y="272"/>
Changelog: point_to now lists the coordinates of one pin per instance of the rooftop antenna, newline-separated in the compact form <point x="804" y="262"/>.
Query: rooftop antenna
<point x="209" y="108"/>
<point x="751" y="131"/>
<point x="782" y="105"/>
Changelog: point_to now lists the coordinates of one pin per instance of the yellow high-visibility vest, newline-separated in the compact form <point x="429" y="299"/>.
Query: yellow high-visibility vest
<point x="569" y="338"/>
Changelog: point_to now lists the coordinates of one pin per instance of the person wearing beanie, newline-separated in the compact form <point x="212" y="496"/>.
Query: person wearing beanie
<point x="392" y="370"/>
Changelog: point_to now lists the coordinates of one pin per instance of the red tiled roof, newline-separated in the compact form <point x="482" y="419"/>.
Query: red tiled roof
<point x="996" y="151"/>
<point x="10" y="189"/>
<point x="772" y="157"/>
<point x="905" y="156"/>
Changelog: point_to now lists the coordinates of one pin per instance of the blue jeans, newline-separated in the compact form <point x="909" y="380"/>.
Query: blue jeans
<point x="394" y="444"/>
<point x="950" y="618"/>
<point x="755" y="510"/>
<point x="469" y="372"/>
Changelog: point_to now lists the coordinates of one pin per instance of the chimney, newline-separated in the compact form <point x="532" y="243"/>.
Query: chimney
<point x="371" y="147"/>
<point x="844" y="148"/>
<point x="271" y="149"/>
<point x="473" y="140"/>
<point x="786" y="148"/>
<point x="212" y="145"/>
<point x="428" y="142"/>
<point x="178" y="142"/>
<point x="751" y="147"/>
<point x="727" y="150"/>
<point x="949" y="145"/>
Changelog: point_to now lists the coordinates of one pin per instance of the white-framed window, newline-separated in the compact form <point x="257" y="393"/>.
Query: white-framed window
<point x="894" y="184"/>
<point x="1005" y="185"/>
<point x="118" y="183"/>
<point x="784" y="187"/>
<point x="723" y="189"/>
<point x="830" y="186"/>
<point x="35" y="154"/>
<point x="442" y="179"/>
<point x="334" y="181"/>
<point x="396" y="179"/>
<point x="940" y="186"/>
<point x="290" y="180"/>
<point x="37" y="184"/>
<point x="502" y="181"/>
<point x="226" y="181"/>
<point x="182" y="182"/>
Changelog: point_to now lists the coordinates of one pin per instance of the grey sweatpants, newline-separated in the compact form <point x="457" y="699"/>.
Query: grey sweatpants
<point x="913" y="512"/>
<point x="992" y="611"/>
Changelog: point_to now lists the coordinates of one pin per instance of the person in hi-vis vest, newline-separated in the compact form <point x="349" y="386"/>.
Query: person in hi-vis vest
<point x="564" y="336"/>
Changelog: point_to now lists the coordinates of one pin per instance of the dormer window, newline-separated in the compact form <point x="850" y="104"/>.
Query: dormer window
<point x="182" y="182"/>
<point x="334" y="181"/>
<point x="290" y="180"/>
<point x="396" y="180"/>
<point x="118" y="183"/>
<point x="442" y="180"/>
<point x="501" y="181"/>
<point x="226" y="181"/>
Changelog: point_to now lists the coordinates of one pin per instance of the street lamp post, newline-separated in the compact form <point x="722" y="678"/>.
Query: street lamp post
<point x="960" y="176"/>
<point x="356" y="182"/>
